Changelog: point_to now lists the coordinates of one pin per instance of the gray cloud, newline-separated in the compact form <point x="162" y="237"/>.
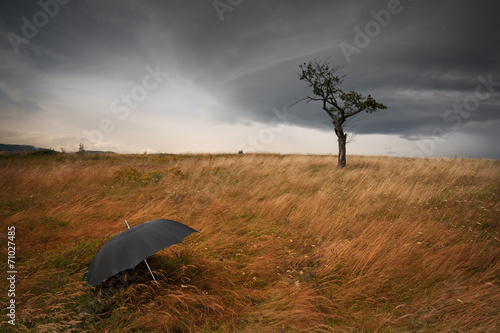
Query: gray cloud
<point x="428" y="57"/>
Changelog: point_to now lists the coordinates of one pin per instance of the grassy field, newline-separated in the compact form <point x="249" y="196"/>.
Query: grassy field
<point x="287" y="243"/>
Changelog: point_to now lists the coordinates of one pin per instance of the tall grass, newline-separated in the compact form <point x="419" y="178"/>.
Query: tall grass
<point x="287" y="242"/>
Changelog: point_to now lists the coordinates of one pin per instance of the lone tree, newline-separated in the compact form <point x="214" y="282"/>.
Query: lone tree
<point x="81" y="149"/>
<point x="339" y="105"/>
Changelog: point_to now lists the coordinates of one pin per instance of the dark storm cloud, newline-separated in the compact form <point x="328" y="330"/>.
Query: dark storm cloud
<point x="435" y="52"/>
<point x="426" y="59"/>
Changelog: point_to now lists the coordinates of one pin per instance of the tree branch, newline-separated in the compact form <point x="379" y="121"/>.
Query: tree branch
<point x="352" y="113"/>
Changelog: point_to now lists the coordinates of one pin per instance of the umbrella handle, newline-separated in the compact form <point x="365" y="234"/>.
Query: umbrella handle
<point x="144" y="259"/>
<point x="149" y="269"/>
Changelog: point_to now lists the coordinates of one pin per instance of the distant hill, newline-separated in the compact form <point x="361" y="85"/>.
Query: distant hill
<point x="28" y="148"/>
<point x="17" y="148"/>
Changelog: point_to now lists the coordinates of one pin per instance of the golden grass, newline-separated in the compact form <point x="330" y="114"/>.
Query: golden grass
<point x="287" y="242"/>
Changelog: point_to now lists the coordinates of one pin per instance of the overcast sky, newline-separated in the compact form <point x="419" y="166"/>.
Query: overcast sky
<point x="221" y="76"/>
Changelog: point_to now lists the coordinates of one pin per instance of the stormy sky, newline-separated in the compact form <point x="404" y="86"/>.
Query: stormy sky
<point x="222" y="76"/>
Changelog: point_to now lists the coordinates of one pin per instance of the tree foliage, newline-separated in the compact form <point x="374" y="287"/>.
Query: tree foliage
<point x="338" y="103"/>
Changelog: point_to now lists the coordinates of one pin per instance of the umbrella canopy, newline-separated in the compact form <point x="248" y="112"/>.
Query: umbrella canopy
<point x="127" y="249"/>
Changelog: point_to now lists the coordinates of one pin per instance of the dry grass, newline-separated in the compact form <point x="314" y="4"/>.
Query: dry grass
<point x="287" y="242"/>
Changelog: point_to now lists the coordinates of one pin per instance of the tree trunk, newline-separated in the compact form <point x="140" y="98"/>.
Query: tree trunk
<point x="342" y="138"/>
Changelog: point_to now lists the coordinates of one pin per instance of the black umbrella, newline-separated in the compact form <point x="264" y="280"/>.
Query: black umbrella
<point x="127" y="249"/>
